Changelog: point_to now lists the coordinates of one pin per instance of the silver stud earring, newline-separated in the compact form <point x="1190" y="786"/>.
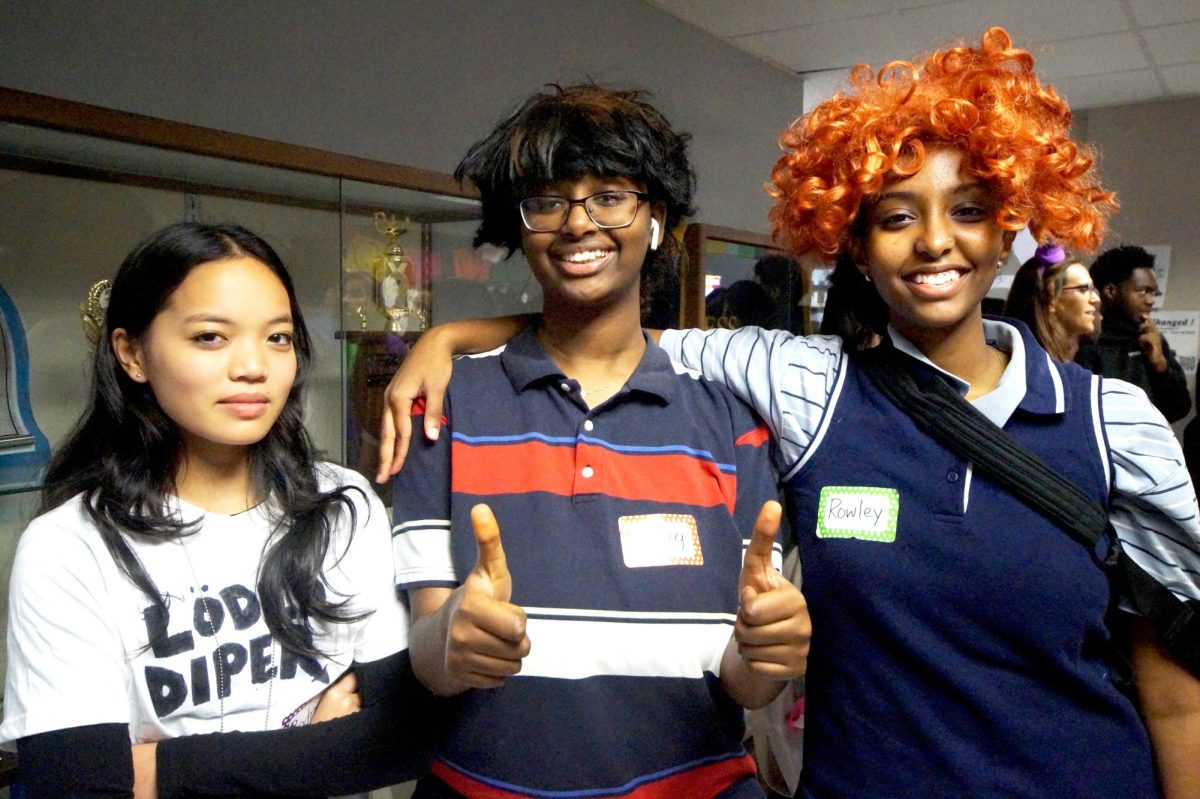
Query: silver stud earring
<point x="138" y="375"/>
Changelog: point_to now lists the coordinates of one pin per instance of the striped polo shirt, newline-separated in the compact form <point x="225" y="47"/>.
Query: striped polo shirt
<point x="624" y="527"/>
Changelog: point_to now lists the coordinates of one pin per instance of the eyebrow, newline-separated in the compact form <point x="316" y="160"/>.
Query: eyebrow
<point x="910" y="196"/>
<point x="224" y="320"/>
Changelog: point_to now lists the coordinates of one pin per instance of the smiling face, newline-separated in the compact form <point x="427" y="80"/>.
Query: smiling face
<point x="581" y="265"/>
<point x="932" y="248"/>
<point x="218" y="357"/>
<point x="1076" y="309"/>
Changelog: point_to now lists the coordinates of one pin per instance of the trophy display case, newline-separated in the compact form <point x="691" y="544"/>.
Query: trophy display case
<point x="736" y="278"/>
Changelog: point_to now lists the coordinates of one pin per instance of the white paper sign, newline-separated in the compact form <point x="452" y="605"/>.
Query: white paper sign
<point x="1182" y="331"/>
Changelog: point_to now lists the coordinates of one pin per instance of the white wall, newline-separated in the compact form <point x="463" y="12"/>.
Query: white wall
<point x="412" y="82"/>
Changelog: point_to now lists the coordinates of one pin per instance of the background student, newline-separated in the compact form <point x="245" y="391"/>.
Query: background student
<point x="1130" y="346"/>
<point x="1055" y="297"/>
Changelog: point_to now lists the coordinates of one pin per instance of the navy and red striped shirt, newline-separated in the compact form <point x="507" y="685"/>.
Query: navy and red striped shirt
<point x="620" y="695"/>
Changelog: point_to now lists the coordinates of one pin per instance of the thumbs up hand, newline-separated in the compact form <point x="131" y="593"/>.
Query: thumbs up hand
<point x="773" y="629"/>
<point x="485" y="635"/>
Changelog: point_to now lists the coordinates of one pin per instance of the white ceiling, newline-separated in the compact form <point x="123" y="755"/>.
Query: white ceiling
<point x="1095" y="52"/>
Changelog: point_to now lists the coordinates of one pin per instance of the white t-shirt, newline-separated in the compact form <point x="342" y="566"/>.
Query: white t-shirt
<point x="79" y="630"/>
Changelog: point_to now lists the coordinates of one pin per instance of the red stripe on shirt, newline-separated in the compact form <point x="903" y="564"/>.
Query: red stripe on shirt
<point x="755" y="438"/>
<point x="418" y="409"/>
<point x="527" y="466"/>
<point x="707" y="780"/>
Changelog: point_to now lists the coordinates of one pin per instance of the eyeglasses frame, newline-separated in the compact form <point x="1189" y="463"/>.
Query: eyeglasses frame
<point x="640" y="195"/>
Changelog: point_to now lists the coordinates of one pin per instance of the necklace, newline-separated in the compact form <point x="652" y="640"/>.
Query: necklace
<point x="218" y="653"/>
<point x="586" y="392"/>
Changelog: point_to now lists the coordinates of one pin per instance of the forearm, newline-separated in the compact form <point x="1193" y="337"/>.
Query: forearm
<point x="92" y="761"/>
<point x="1169" y="696"/>
<point x="387" y="742"/>
<point x="748" y="689"/>
<point x="478" y="335"/>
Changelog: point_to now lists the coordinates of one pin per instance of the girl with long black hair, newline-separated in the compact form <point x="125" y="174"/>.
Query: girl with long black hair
<point x="194" y="568"/>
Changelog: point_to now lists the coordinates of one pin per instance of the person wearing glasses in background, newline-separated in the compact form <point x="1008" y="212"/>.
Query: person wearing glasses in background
<point x="607" y="648"/>
<point x="1055" y="297"/>
<point x="1130" y="347"/>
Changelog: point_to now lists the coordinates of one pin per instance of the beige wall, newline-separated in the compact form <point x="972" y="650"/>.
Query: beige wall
<point x="1148" y="156"/>
<point x="412" y="82"/>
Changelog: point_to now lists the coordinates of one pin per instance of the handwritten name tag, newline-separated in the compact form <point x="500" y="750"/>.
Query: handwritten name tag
<point x="660" y="539"/>
<point x="865" y="512"/>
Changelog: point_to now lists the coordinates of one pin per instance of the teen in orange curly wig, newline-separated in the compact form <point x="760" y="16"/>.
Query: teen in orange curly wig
<point x="986" y="102"/>
<point x="960" y="638"/>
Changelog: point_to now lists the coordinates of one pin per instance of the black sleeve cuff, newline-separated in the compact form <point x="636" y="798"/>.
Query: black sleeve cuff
<point x="95" y="761"/>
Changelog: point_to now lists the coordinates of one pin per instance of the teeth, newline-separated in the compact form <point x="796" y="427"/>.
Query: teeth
<point x="936" y="278"/>
<point x="586" y="255"/>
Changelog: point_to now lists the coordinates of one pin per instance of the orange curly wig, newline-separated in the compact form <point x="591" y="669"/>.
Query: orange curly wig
<point x="986" y="102"/>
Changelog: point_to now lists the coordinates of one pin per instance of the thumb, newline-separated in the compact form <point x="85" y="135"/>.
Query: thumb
<point x="492" y="564"/>
<point x="758" y="570"/>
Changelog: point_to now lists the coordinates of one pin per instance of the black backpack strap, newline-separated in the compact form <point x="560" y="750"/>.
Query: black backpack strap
<point x="940" y="411"/>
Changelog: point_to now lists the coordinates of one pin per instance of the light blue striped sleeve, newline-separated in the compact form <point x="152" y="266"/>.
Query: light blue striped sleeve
<point x="791" y="381"/>
<point x="1153" y="508"/>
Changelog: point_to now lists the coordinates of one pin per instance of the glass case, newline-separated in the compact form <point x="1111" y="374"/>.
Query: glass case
<point x="735" y="278"/>
<point x="373" y="264"/>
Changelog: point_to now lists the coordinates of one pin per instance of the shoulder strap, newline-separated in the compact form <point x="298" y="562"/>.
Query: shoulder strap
<point x="941" y="412"/>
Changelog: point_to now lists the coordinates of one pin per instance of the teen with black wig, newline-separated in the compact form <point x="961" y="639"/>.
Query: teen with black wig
<point x="195" y="573"/>
<point x="609" y="645"/>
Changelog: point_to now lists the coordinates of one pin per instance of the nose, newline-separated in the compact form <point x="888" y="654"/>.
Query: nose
<point x="935" y="239"/>
<point x="578" y="222"/>
<point x="249" y="363"/>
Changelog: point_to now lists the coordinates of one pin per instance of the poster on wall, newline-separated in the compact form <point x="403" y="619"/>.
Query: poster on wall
<point x="1182" y="331"/>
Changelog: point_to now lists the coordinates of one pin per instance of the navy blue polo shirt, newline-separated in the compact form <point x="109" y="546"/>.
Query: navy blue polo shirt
<point x="624" y="527"/>
<point x="959" y="643"/>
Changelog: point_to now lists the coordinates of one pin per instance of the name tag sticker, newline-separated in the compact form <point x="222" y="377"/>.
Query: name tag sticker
<point x="865" y="512"/>
<point x="660" y="539"/>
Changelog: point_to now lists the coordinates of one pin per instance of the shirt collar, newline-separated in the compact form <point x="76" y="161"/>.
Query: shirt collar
<point x="1031" y="381"/>
<point x="526" y="363"/>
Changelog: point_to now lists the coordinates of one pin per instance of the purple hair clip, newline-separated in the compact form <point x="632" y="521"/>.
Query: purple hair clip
<point x="1049" y="255"/>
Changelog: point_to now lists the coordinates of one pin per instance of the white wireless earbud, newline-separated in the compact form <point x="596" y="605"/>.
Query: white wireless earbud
<point x="655" y="232"/>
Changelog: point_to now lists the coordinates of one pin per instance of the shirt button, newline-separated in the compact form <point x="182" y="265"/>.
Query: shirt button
<point x="951" y="476"/>
<point x="566" y="387"/>
<point x="587" y="471"/>
<point x="588" y="425"/>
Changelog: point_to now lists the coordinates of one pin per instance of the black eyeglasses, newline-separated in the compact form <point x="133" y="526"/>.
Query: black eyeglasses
<point x="1083" y="288"/>
<point x="608" y="209"/>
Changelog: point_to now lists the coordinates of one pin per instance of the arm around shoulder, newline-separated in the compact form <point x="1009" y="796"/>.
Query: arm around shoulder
<point x="426" y="373"/>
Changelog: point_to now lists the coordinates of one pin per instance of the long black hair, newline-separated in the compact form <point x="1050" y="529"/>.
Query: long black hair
<point x="123" y="453"/>
<point x="566" y="133"/>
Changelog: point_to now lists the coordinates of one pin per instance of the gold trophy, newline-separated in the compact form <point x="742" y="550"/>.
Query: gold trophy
<point x="393" y="285"/>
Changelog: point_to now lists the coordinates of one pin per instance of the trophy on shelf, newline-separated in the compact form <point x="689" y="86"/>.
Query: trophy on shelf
<point x="92" y="310"/>
<point x="394" y="293"/>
